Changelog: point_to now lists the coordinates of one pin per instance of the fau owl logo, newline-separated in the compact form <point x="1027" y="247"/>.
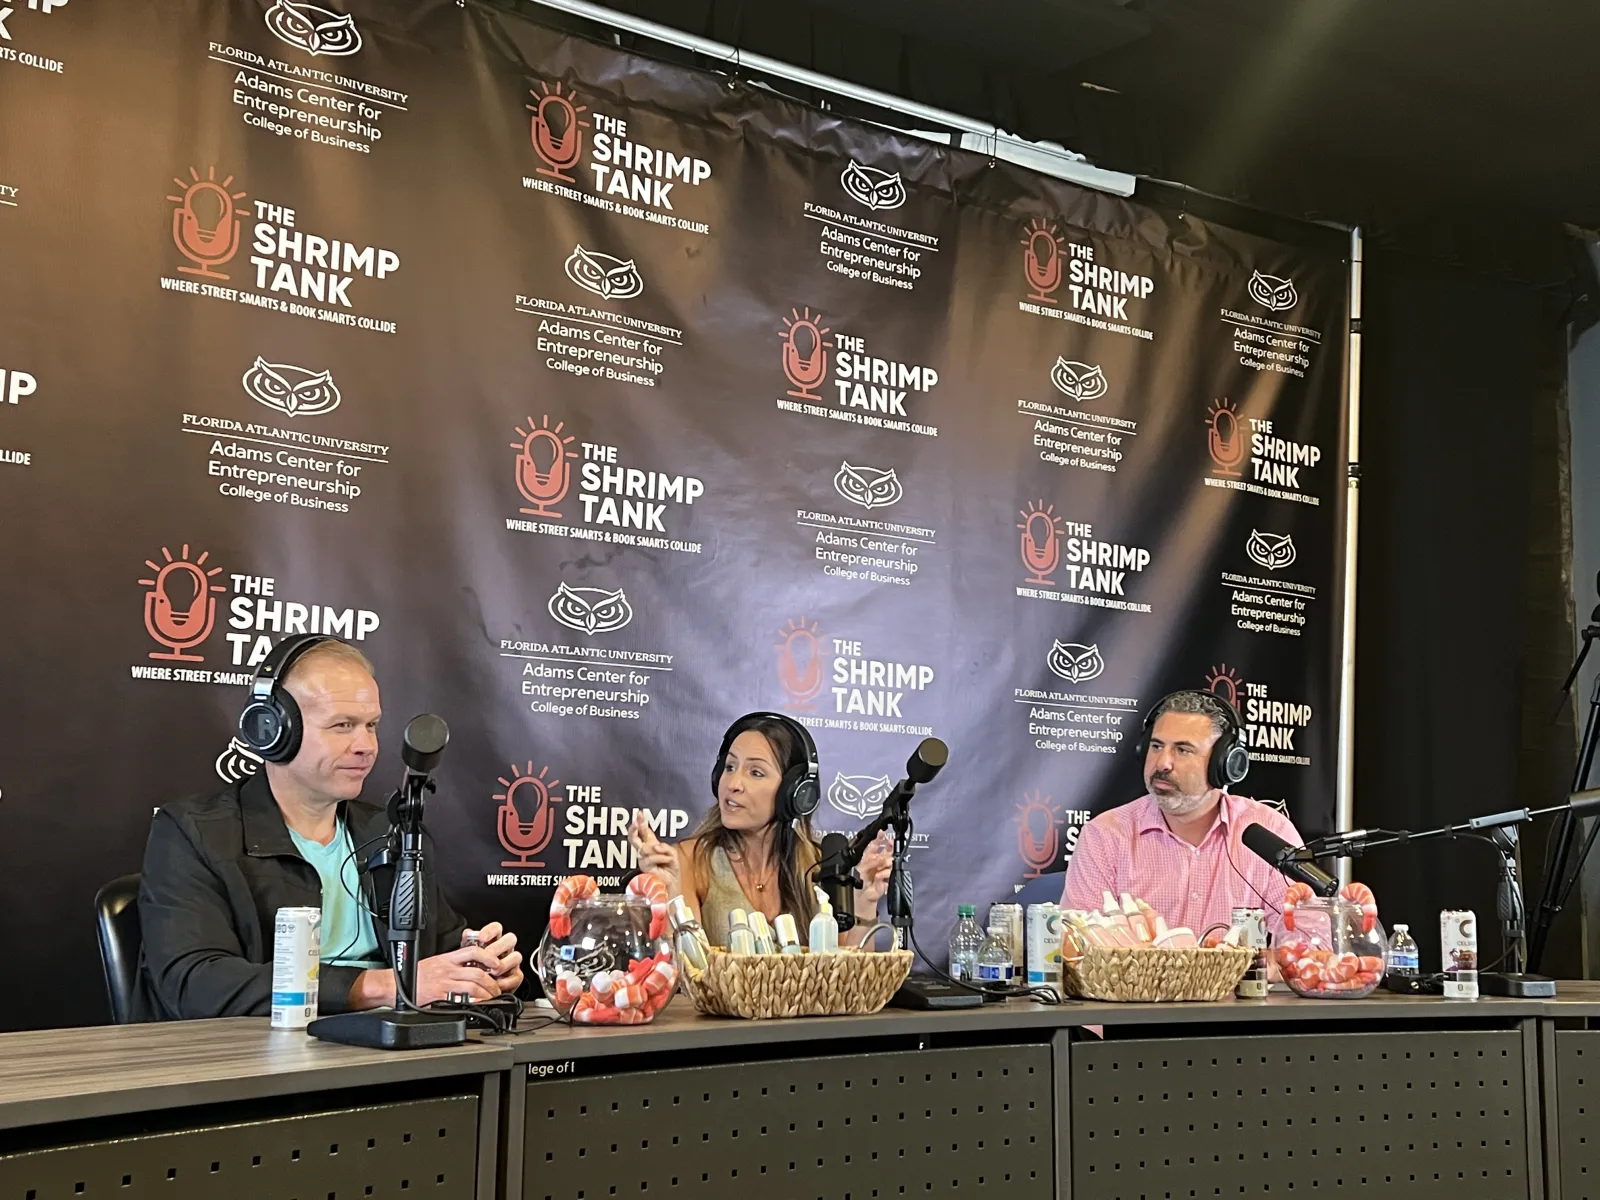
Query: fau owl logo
<point x="873" y="188"/>
<point x="590" y="610"/>
<point x="1079" y="381"/>
<point x="312" y="28"/>
<point x="1076" y="663"/>
<point x="1274" y="551"/>
<point x="869" y="487"/>
<point x="237" y="762"/>
<point x="859" y="795"/>
<point x="607" y="277"/>
<point x="1273" y="292"/>
<point x="293" y="391"/>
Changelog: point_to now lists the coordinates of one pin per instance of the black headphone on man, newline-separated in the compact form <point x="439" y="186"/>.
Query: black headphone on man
<point x="270" y="724"/>
<point x="801" y="787"/>
<point x="1230" y="758"/>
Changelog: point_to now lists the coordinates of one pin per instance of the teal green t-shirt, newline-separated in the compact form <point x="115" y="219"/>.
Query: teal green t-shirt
<point x="348" y="935"/>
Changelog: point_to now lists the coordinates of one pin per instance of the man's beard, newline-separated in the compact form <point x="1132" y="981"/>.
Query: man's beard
<point x="1177" y="804"/>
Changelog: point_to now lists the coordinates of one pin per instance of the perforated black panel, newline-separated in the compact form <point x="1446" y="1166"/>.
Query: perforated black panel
<point x="956" y="1122"/>
<point x="1578" y="1107"/>
<point x="424" y="1148"/>
<point x="1404" y="1114"/>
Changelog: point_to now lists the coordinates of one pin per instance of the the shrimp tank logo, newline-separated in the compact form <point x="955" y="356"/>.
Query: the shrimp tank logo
<point x="557" y="130"/>
<point x="1225" y="438"/>
<point x="525" y="821"/>
<point x="590" y="610"/>
<point x="179" y="608"/>
<point x="805" y="353"/>
<point x="801" y="654"/>
<point x="543" y="472"/>
<point x="1038" y="822"/>
<point x="607" y="277"/>
<point x="1042" y="532"/>
<point x="870" y="487"/>
<point x="873" y="188"/>
<point x="1041" y="260"/>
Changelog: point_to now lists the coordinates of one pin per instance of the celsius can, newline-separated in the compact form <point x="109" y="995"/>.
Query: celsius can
<point x="1044" y="945"/>
<point x="296" y="956"/>
<point x="1458" y="951"/>
<point x="1253" y="922"/>
<point x="1009" y="918"/>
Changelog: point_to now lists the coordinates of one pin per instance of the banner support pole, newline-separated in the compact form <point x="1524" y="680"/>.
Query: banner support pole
<point x="1344" y="802"/>
<point x="1046" y="158"/>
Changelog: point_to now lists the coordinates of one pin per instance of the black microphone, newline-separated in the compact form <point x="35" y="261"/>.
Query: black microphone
<point x="835" y="876"/>
<point x="426" y="737"/>
<point x="1272" y="849"/>
<point x="1585" y="804"/>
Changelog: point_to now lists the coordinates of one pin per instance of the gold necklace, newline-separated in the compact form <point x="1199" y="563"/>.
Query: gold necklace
<point x="739" y="858"/>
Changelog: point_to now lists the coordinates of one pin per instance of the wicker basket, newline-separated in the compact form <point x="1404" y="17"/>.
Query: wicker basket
<point x="1149" y="974"/>
<point x="761" y="986"/>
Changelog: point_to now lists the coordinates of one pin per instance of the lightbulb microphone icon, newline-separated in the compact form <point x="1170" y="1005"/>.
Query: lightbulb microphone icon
<point x="800" y="662"/>
<point x="1224" y="439"/>
<point x="1041" y="543"/>
<point x="1041" y="261"/>
<point x="805" y="352"/>
<point x="1038" y="841"/>
<point x="524" y="836"/>
<point x="543" y="473"/>
<point x="177" y="620"/>
<point x="205" y="224"/>
<point x="557" y="131"/>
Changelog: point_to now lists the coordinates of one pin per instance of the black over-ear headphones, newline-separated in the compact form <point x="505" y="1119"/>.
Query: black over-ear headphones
<point x="801" y="787"/>
<point x="270" y="723"/>
<point x="1230" y="758"/>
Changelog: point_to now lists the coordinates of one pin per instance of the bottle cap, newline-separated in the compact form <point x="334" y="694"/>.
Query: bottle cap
<point x="966" y="910"/>
<point x="1402" y="927"/>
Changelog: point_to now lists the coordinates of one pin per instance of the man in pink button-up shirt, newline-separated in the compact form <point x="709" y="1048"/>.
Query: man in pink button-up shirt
<point x="1177" y="847"/>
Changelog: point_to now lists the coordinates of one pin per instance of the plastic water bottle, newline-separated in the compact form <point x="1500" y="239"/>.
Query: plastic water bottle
<point x="1403" y="952"/>
<point x="995" y="964"/>
<point x="966" y="943"/>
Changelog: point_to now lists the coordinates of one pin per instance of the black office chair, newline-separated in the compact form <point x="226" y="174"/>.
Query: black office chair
<point x="1044" y="890"/>
<point x="116" y="908"/>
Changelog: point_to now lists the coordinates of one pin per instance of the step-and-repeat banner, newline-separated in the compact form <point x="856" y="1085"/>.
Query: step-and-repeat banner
<point x="599" y="402"/>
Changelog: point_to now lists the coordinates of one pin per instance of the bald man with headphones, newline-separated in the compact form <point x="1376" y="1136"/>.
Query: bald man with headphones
<point x="218" y="867"/>
<point x="1177" y="847"/>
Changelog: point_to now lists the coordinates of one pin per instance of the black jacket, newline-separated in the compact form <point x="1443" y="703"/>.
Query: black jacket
<point x="216" y="870"/>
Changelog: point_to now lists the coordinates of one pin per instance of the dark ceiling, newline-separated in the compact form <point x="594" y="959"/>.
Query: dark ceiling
<point x="1468" y="131"/>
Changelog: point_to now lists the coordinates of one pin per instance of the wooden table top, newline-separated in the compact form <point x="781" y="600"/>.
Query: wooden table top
<point x="51" y="1075"/>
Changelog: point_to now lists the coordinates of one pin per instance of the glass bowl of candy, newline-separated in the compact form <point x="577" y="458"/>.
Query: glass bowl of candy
<point x="1333" y="951"/>
<point x="607" y="960"/>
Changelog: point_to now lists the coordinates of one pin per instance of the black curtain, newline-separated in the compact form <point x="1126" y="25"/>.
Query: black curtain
<point x="1459" y="560"/>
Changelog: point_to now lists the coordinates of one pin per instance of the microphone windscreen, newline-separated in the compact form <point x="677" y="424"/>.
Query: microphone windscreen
<point x="425" y="740"/>
<point x="930" y="755"/>
<point x="1263" y="843"/>
<point x="834" y="845"/>
<point x="1585" y="804"/>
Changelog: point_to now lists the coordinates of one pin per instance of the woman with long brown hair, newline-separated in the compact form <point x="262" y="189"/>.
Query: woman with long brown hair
<point x="756" y="850"/>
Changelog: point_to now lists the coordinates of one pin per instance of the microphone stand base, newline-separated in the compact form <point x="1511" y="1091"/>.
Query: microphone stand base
<point x="926" y="993"/>
<point x="391" y="1029"/>
<point x="1528" y="987"/>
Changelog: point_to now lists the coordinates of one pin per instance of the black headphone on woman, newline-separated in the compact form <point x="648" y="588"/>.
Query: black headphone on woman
<point x="270" y="724"/>
<point x="801" y="787"/>
<point x="1230" y="759"/>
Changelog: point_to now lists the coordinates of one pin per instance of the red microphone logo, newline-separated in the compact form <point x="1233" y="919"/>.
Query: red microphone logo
<point x="543" y="475"/>
<point x="179" y="610"/>
<point x="1224" y="681"/>
<point x="557" y="130"/>
<point x="525" y="837"/>
<point x="805" y="353"/>
<point x="800" y="655"/>
<point x="1038" y="841"/>
<point x="205" y="224"/>
<point x="1041" y="542"/>
<point x="1224" y="438"/>
<point x="1041" y="260"/>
